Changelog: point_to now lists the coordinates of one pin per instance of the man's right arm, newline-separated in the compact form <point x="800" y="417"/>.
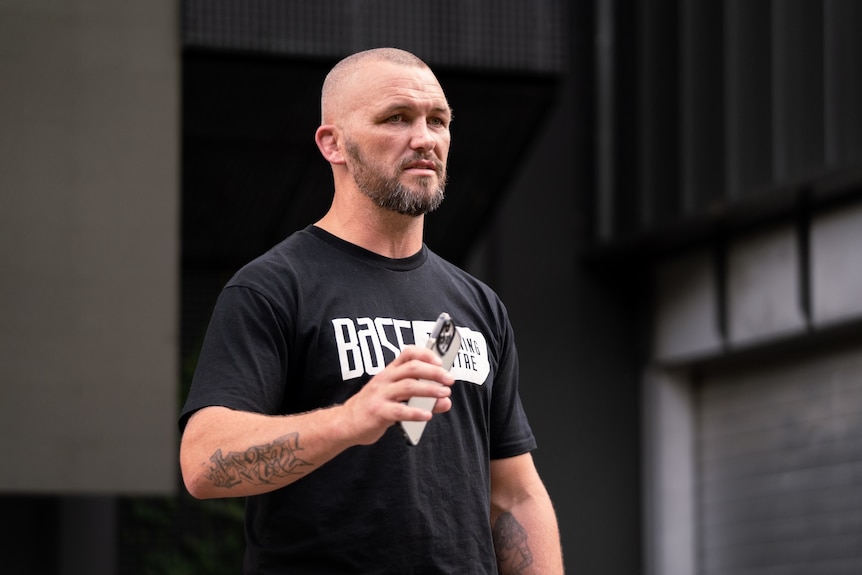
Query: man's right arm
<point x="229" y="453"/>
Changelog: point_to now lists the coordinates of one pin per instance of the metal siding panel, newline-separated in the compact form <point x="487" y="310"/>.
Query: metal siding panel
<point x="763" y="286"/>
<point x="658" y="114"/>
<point x="780" y="466"/>
<point x="836" y="280"/>
<point x="843" y="77"/>
<point x="489" y="34"/>
<point x="798" y="116"/>
<point x="686" y="304"/>
<point x="702" y="104"/>
<point x="749" y="97"/>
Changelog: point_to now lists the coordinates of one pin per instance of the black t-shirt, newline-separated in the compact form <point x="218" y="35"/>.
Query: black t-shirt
<point x="304" y="327"/>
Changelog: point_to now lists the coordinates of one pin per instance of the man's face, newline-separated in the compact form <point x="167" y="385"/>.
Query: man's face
<point x="397" y="140"/>
<point x="388" y="187"/>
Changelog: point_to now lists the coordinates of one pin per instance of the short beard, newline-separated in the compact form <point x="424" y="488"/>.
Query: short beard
<point x="387" y="192"/>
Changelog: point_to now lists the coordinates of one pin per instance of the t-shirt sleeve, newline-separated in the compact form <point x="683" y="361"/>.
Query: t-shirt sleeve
<point x="511" y="433"/>
<point x="243" y="359"/>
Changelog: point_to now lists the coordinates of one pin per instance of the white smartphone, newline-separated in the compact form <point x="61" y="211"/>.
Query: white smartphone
<point x="445" y="341"/>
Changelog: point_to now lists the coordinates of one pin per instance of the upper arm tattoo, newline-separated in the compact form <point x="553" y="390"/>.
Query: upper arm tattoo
<point x="510" y="545"/>
<point x="259" y="464"/>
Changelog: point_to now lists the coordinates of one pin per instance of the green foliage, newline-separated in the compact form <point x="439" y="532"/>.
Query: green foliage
<point x="181" y="536"/>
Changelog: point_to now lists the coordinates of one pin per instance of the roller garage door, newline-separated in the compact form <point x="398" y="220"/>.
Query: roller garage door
<point x="779" y="465"/>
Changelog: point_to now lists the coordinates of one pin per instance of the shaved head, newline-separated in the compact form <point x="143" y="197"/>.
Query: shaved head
<point x="385" y="130"/>
<point x="339" y="78"/>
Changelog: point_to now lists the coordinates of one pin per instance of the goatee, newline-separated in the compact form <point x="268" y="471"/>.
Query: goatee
<point x="388" y="192"/>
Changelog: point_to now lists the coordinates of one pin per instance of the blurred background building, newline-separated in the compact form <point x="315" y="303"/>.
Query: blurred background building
<point x="666" y="194"/>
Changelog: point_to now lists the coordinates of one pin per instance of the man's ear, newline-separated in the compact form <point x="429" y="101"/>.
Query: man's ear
<point x="328" y="142"/>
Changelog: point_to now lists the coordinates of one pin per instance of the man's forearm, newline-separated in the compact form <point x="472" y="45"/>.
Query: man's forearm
<point x="511" y="545"/>
<point x="527" y="541"/>
<point x="236" y="454"/>
<point x="265" y="464"/>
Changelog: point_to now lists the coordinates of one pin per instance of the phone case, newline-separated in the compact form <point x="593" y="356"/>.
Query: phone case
<point x="445" y="341"/>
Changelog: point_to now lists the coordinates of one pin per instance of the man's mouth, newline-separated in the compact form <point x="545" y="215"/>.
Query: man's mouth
<point x="422" y="165"/>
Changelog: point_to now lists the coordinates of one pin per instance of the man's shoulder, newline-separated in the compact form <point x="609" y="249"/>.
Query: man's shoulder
<point x="460" y="275"/>
<point x="286" y="258"/>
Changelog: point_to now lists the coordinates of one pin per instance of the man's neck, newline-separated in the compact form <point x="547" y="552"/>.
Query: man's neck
<point x="380" y="231"/>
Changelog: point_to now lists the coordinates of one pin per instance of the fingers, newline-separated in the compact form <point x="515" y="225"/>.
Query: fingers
<point x="422" y="410"/>
<point x="392" y="398"/>
<point x="420" y="364"/>
<point x="381" y="402"/>
<point x="443" y="405"/>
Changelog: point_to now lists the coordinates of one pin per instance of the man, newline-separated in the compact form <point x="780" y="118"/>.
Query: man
<point x="310" y="358"/>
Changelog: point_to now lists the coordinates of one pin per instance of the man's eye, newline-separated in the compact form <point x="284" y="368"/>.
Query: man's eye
<point x="437" y="122"/>
<point x="396" y="118"/>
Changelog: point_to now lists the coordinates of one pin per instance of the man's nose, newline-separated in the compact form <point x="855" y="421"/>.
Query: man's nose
<point x="421" y="137"/>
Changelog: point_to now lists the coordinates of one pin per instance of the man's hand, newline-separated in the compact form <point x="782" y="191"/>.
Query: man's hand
<point x="416" y="372"/>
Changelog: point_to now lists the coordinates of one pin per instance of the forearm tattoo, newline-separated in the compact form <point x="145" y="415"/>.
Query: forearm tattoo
<point x="260" y="464"/>
<point x="510" y="544"/>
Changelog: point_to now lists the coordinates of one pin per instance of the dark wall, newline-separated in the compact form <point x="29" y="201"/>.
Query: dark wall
<point x="577" y="329"/>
